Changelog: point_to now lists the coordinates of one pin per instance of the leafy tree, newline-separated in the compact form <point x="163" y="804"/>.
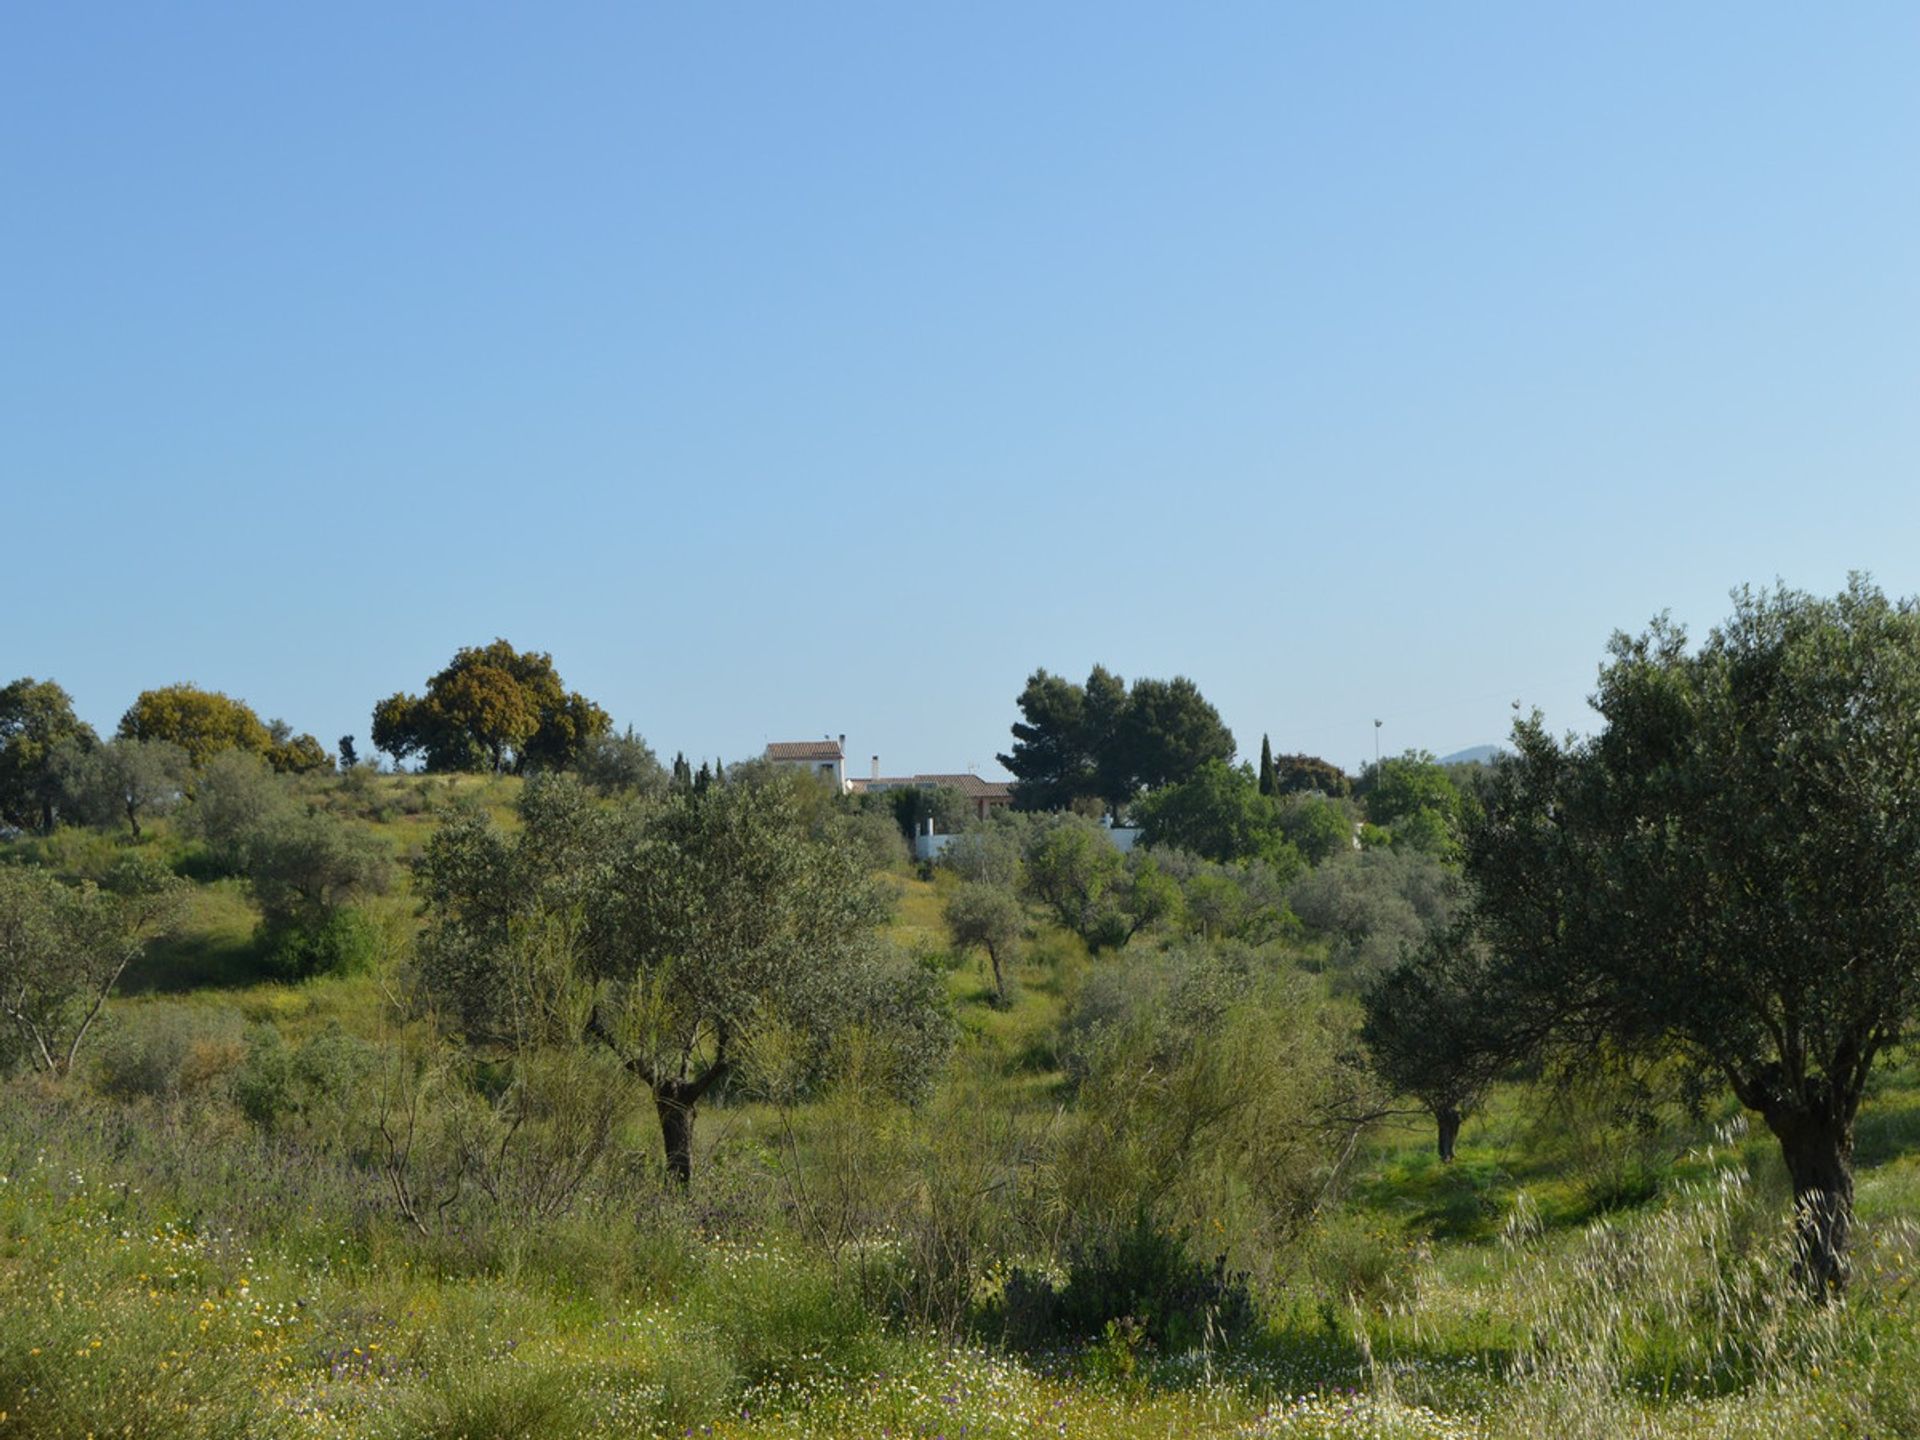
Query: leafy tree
<point x="1203" y="1080"/>
<point x="1320" y="828"/>
<point x="1071" y="867"/>
<point x="703" y="923"/>
<point x="1169" y="732"/>
<point x="36" y="720"/>
<point x="123" y="779"/>
<point x="987" y="917"/>
<point x="1729" y="872"/>
<point x="1435" y="1029"/>
<point x="1294" y="774"/>
<point x="492" y="707"/>
<point x="1105" y="706"/>
<point x="1102" y="740"/>
<point x="236" y="798"/>
<point x="1372" y="906"/>
<point x="200" y="722"/>
<point x="1051" y="762"/>
<point x="1148" y="897"/>
<point x="988" y="854"/>
<point x="622" y="764"/>
<point x="292" y="754"/>
<point x="349" y="756"/>
<point x="63" y="948"/>
<point x="1219" y="814"/>
<point x="725" y="914"/>
<point x="1412" y="797"/>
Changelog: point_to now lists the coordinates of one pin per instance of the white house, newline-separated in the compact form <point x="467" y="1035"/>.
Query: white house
<point x="825" y="758"/>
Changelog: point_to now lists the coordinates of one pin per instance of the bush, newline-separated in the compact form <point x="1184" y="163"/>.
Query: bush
<point x="163" y="1054"/>
<point x="1142" y="1277"/>
<point x="342" y="942"/>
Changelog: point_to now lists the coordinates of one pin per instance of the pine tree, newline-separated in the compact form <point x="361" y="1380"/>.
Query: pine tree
<point x="682" y="772"/>
<point x="1267" y="785"/>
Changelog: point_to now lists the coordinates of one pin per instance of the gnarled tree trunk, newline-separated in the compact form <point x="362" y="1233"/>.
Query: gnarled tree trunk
<point x="676" y="1109"/>
<point x="1448" y="1119"/>
<point x="1818" y="1150"/>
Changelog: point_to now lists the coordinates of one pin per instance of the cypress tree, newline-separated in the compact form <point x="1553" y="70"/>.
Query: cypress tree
<point x="1267" y="786"/>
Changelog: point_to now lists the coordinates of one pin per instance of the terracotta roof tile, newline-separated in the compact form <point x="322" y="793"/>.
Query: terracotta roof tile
<point x="805" y="750"/>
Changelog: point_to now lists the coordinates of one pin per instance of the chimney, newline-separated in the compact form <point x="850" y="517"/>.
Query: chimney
<point x="843" y="745"/>
<point x="876" y="767"/>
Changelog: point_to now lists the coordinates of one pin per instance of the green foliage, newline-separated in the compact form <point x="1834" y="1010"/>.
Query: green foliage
<point x="123" y="779"/>
<point x="913" y="806"/>
<point x="988" y="917"/>
<point x="332" y="940"/>
<point x="236" y="801"/>
<point x="1104" y="741"/>
<point x="1372" y="907"/>
<point x="1730" y="870"/>
<point x="622" y="764"/>
<point x="988" y="854"/>
<point x="1203" y="1075"/>
<point x="1070" y="868"/>
<point x="1319" y="827"/>
<point x="1412" y="797"/>
<point x="1435" y="1029"/>
<point x="690" y="927"/>
<point x="1168" y="732"/>
<point x="492" y="707"/>
<point x="62" y="949"/>
<point x="165" y="1054"/>
<point x="200" y="722"/>
<point x="36" y="722"/>
<point x="1308" y="774"/>
<point x="1148" y="1276"/>
<point x="1218" y="814"/>
<point x="292" y="754"/>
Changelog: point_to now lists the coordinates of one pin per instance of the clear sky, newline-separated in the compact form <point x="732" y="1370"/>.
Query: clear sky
<point x="796" y="369"/>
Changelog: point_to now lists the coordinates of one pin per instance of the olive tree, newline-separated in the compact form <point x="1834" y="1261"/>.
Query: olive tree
<point x="123" y="779"/>
<point x="64" y="947"/>
<point x="722" y="913"/>
<point x="1435" y="1029"/>
<point x="1729" y="871"/>
<point x="702" y="920"/>
<point x="987" y="917"/>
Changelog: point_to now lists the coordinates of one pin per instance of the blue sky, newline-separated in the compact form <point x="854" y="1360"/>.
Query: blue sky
<point x="791" y="370"/>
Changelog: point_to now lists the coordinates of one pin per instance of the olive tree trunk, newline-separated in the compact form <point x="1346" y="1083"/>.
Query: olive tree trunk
<point x="1448" y="1120"/>
<point x="1819" y="1154"/>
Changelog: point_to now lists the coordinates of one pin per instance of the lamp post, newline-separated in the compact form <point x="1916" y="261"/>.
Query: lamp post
<point x="1376" y="752"/>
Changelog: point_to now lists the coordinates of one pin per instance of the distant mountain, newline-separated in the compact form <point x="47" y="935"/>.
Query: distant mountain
<point x="1478" y="755"/>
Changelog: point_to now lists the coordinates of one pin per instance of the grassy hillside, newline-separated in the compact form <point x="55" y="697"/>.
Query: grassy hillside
<point x="201" y="1235"/>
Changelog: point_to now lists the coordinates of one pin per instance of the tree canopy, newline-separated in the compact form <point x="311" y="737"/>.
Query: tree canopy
<point x="491" y="708"/>
<point x="36" y="721"/>
<point x="205" y="722"/>
<point x="1103" y="741"/>
<point x="1728" y="873"/>
<point x="698" y="923"/>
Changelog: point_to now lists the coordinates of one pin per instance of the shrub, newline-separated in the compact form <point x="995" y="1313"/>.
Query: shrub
<point x="341" y="942"/>
<point x="1141" y="1276"/>
<point x="165" y="1053"/>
